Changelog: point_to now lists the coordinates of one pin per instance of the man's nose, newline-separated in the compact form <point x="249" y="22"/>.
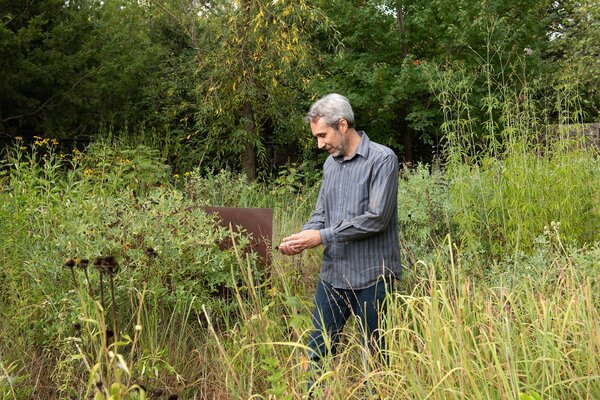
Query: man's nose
<point x="320" y="143"/>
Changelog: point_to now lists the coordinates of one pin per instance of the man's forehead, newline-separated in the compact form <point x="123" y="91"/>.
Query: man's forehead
<point x="319" y="126"/>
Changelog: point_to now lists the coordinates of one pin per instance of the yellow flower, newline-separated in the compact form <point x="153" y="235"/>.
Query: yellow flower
<point x="40" y="141"/>
<point x="88" y="172"/>
<point x="18" y="138"/>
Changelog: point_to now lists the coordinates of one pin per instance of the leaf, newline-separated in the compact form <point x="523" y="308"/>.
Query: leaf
<point x="121" y="364"/>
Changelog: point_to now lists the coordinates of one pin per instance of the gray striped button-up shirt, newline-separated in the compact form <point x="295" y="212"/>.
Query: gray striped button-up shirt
<point x="356" y="213"/>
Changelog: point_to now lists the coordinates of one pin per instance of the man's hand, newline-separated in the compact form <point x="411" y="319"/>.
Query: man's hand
<point x="298" y="242"/>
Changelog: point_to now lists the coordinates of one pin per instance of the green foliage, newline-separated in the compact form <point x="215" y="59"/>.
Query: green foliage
<point x="365" y="64"/>
<point x="512" y="173"/>
<point x="64" y="69"/>
<point x="53" y="209"/>
<point x="502" y="205"/>
<point x="115" y="169"/>
<point x="261" y="62"/>
<point x="575" y="48"/>
<point x="512" y="332"/>
<point x="225" y="189"/>
<point x="424" y="212"/>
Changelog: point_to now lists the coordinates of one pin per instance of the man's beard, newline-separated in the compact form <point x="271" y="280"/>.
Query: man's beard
<point x="341" y="150"/>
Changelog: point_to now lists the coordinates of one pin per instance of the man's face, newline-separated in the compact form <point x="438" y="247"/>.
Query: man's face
<point x="332" y="140"/>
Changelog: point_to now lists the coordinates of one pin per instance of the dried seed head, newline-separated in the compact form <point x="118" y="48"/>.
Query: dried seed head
<point x="173" y="397"/>
<point x="77" y="326"/>
<point x="150" y="252"/>
<point x="106" y="264"/>
<point x="69" y="262"/>
<point x="83" y="264"/>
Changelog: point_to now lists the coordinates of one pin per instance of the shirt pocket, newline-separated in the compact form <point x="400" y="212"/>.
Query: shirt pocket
<point x="357" y="198"/>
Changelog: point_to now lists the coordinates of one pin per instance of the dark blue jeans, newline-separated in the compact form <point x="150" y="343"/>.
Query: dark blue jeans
<point x="334" y="306"/>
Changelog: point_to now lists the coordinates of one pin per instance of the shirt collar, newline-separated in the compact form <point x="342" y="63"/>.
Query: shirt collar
<point x="361" y="150"/>
<point x="363" y="145"/>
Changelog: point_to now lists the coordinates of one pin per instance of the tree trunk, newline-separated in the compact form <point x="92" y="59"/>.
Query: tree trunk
<point x="401" y="30"/>
<point x="407" y="135"/>
<point x="249" y="156"/>
<point x="407" y="144"/>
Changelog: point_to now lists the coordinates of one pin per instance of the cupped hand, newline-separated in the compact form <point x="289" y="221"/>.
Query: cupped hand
<point x="300" y="241"/>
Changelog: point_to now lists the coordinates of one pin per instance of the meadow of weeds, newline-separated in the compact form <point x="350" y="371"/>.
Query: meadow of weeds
<point x="113" y="285"/>
<point x="161" y="317"/>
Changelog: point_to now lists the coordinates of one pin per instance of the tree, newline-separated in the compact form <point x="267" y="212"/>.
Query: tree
<point x="69" y="67"/>
<point x="251" y="81"/>
<point x="575" y="48"/>
<point x="384" y="43"/>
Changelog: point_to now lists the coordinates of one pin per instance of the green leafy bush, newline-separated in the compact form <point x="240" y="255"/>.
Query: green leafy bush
<point x="53" y="207"/>
<point x="424" y="214"/>
<point x="502" y="205"/>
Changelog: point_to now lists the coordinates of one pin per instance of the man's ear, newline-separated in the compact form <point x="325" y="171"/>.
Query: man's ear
<point x="343" y="125"/>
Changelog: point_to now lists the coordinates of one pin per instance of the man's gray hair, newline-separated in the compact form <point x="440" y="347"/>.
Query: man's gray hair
<point x="331" y="108"/>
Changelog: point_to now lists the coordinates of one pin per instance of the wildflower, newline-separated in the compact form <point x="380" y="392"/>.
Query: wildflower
<point x="18" y="138"/>
<point x="528" y="51"/>
<point x="138" y="328"/>
<point x="187" y="173"/>
<point x="88" y="172"/>
<point x="77" y="155"/>
<point x="40" y="141"/>
<point x="176" y="176"/>
<point x="417" y="62"/>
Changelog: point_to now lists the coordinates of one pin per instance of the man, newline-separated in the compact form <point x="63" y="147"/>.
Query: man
<point x="355" y="219"/>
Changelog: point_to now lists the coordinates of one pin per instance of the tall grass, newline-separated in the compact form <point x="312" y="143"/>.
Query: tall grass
<point x="448" y="337"/>
<point x="514" y="174"/>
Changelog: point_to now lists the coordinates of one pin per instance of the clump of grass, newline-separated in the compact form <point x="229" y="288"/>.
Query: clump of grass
<point x="450" y="336"/>
<point x="526" y="165"/>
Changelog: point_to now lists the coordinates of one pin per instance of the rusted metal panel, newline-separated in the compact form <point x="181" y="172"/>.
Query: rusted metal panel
<point x="257" y="222"/>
